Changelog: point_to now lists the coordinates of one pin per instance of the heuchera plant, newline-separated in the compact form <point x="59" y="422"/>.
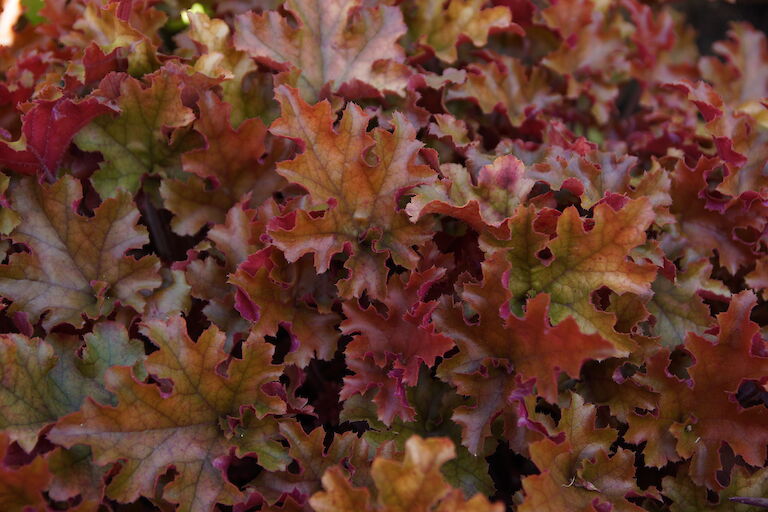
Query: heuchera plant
<point x="382" y="256"/>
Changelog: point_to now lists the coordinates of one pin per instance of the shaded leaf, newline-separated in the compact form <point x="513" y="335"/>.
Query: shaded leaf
<point x="136" y="142"/>
<point x="233" y="160"/>
<point x="439" y="25"/>
<point x="21" y="488"/>
<point x="78" y="265"/>
<point x="270" y="303"/>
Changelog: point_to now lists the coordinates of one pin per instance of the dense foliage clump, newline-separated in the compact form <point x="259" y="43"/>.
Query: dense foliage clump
<point x="396" y="256"/>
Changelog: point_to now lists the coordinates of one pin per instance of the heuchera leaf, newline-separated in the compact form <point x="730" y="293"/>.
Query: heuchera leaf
<point x="21" y="488"/>
<point x="77" y="265"/>
<point x="580" y="474"/>
<point x="314" y="459"/>
<point x="121" y="27"/>
<point x="676" y="305"/>
<point x="336" y="42"/>
<point x="533" y="347"/>
<point x="247" y="93"/>
<point x="74" y="473"/>
<point x="604" y="383"/>
<point x="415" y="484"/>
<point x="697" y="218"/>
<point x="43" y="381"/>
<point x="432" y="402"/>
<point x="700" y="418"/>
<point x="232" y="160"/>
<point x="440" y="28"/>
<point x="740" y="78"/>
<point x="383" y="256"/>
<point x="270" y="303"/>
<point x="591" y="45"/>
<point x="406" y="321"/>
<point x="743" y="486"/>
<point x="583" y="261"/>
<point x="48" y="128"/>
<point x="261" y="437"/>
<point x="397" y="344"/>
<point x="9" y="219"/>
<point x="501" y="187"/>
<point x="339" y="495"/>
<point x="172" y="298"/>
<point x="390" y="391"/>
<point x="151" y="430"/>
<point x="136" y="142"/>
<point x="758" y="278"/>
<point x="588" y="174"/>
<point x="506" y="85"/>
<point x="736" y="135"/>
<point x="233" y="242"/>
<point x="355" y="177"/>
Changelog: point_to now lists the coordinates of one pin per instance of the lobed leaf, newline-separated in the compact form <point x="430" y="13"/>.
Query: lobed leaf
<point x="77" y="265"/>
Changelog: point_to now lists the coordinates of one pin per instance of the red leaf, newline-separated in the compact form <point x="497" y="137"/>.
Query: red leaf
<point x="404" y="335"/>
<point x="48" y="130"/>
<point x="696" y="416"/>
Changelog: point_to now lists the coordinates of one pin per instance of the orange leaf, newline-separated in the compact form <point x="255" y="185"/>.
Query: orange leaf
<point x="151" y="430"/>
<point x="355" y="177"/>
<point x="695" y="417"/>
<point x="232" y="159"/>
<point x="270" y="303"/>
<point x="583" y="260"/>
<point x="577" y="474"/>
<point x="22" y="488"/>
<point x="533" y="346"/>
<point x="438" y="26"/>
<point x="414" y="484"/>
